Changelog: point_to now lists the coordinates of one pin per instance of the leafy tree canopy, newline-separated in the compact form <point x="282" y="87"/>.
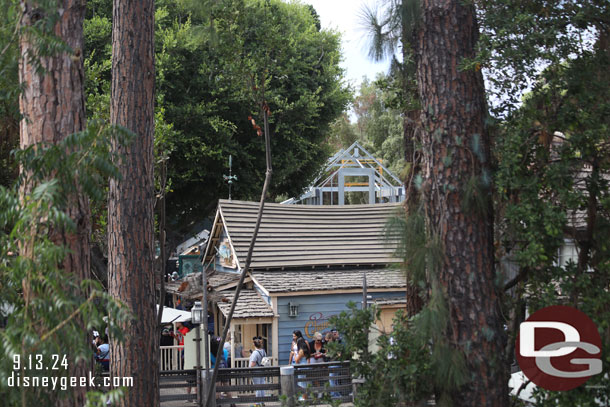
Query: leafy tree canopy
<point x="214" y="61"/>
<point x="379" y="123"/>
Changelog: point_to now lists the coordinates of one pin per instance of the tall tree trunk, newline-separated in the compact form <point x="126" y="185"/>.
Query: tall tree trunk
<point x="53" y="107"/>
<point x="131" y="274"/>
<point x="456" y="148"/>
<point x="411" y="129"/>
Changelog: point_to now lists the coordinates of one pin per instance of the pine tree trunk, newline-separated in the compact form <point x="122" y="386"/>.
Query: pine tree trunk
<point x="456" y="148"/>
<point x="53" y="107"/>
<point x="411" y="130"/>
<point x="131" y="200"/>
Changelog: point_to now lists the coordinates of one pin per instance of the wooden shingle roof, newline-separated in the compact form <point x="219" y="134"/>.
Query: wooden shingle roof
<point x="309" y="235"/>
<point x="327" y="280"/>
<point x="249" y="305"/>
<point x="396" y="301"/>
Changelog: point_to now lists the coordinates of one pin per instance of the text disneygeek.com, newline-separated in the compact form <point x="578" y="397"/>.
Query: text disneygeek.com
<point x="62" y="383"/>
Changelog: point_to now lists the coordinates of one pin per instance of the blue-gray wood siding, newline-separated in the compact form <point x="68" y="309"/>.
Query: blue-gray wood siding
<point x="314" y="312"/>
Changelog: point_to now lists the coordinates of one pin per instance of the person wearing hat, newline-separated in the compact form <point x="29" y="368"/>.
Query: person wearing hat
<point x="336" y="337"/>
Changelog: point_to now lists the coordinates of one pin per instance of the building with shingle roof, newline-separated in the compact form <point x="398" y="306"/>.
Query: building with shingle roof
<point x="308" y="262"/>
<point x="304" y="235"/>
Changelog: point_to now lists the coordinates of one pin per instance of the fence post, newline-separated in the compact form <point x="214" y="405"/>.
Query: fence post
<point x="207" y="374"/>
<point x="287" y="384"/>
<point x="357" y="382"/>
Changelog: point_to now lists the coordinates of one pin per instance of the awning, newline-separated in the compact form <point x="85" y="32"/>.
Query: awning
<point x="174" y="315"/>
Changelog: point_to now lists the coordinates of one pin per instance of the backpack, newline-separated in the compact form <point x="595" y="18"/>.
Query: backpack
<point x="265" y="361"/>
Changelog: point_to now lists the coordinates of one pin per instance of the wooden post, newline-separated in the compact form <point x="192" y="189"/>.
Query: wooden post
<point x="357" y="382"/>
<point x="198" y="368"/>
<point x="364" y="307"/>
<point x="232" y="330"/>
<point x="287" y="384"/>
<point x="206" y="336"/>
<point x="209" y="398"/>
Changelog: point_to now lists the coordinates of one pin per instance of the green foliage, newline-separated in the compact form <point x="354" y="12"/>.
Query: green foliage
<point x="422" y="251"/>
<point x="555" y="186"/>
<point x="213" y="60"/>
<point x="476" y="194"/>
<point x="519" y="38"/>
<point x="379" y="122"/>
<point x="390" y="26"/>
<point x="45" y="308"/>
<point x="84" y="157"/>
<point x="342" y="133"/>
<point x="402" y="356"/>
<point x="549" y="64"/>
<point x="412" y="243"/>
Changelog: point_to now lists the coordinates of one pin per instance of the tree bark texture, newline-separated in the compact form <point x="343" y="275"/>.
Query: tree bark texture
<point x="53" y="106"/>
<point x="453" y="122"/>
<point x="131" y="274"/>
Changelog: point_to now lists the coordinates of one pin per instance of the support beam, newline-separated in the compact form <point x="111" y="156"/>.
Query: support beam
<point x="275" y="350"/>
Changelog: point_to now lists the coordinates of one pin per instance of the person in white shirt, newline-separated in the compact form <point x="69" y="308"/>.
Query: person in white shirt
<point x="102" y="354"/>
<point x="256" y="359"/>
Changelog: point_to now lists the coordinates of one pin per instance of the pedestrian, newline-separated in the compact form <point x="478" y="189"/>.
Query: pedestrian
<point x="166" y="337"/>
<point x="180" y="334"/>
<point x="102" y="354"/>
<point x="302" y="358"/>
<point x="214" y="346"/>
<point x="317" y="349"/>
<point x="328" y="338"/>
<point x="256" y="360"/>
<point x="294" y="349"/>
<point x="227" y="349"/>
<point x="332" y="369"/>
<point x="336" y="337"/>
<point x="222" y="361"/>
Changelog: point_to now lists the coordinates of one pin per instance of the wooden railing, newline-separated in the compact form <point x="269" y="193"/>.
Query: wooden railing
<point x="245" y="362"/>
<point x="171" y="358"/>
<point x="242" y="362"/>
<point x="240" y="385"/>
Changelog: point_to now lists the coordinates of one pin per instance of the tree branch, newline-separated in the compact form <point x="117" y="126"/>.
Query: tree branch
<point x="71" y="317"/>
<point x="210" y="390"/>
<point x="519" y="277"/>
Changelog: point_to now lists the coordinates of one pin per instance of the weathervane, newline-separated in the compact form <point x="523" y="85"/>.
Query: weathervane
<point x="230" y="178"/>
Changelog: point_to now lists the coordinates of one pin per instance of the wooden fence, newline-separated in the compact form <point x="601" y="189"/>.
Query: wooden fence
<point x="240" y="385"/>
<point x="321" y="381"/>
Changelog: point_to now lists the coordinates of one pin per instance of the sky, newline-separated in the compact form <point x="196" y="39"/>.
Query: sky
<point x="342" y="15"/>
